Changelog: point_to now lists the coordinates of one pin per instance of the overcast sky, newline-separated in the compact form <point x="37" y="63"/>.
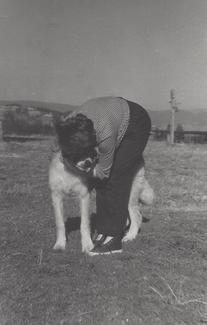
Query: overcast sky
<point x="68" y="51"/>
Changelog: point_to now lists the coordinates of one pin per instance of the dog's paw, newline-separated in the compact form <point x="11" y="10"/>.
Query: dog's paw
<point x="60" y="245"/>
<point x="87" y="246"/>
<point x="130" y="235"/>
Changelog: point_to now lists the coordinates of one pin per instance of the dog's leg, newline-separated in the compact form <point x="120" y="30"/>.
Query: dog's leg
<point x="85" y="227"/>
<point x="135" y="215"/>
<point x="57" y="201"/>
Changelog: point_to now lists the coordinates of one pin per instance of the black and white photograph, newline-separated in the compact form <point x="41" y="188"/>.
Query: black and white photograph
<point x="103" y="162"/>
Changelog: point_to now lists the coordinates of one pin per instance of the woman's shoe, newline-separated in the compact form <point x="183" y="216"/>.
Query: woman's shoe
<point x="111" y="247"/>
<point x="98" y="240"/>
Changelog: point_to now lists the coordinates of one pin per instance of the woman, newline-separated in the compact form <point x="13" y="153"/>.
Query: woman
<point x="120" y="130"/>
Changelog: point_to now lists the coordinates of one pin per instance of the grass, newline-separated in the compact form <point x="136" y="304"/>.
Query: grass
<point x="159" y="279"/>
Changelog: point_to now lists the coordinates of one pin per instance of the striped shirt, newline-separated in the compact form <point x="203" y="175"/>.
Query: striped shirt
<point x="110" y="116"/>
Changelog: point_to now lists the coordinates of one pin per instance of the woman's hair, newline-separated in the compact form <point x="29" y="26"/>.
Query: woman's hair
<point x="76" y="134"/>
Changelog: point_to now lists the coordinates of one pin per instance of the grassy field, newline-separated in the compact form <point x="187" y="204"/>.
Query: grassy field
<point x="161" y="277"/>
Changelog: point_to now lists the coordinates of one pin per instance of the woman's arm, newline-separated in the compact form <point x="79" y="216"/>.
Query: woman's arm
<point x="106" y="157"/>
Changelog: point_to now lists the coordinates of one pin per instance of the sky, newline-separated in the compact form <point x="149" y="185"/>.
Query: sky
<point x="69" y="51"/>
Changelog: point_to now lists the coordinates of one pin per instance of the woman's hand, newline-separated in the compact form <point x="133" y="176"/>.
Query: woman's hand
<point x="94" y="172"/>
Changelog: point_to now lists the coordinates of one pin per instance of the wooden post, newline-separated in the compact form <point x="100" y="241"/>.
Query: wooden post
<point x="1" y="132"/>
<point x="172" y="126"/>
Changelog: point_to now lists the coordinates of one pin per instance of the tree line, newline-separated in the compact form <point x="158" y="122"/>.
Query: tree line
<point x="19" y="122"/>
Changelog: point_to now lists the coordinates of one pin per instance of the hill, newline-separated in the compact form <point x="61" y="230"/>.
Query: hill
<point x="194" y="120"/>
<point x="50" y="106"/>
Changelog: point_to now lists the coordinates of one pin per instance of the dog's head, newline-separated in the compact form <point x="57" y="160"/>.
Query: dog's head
<point x="77" y="142"/>
<point x="83" y="162"/>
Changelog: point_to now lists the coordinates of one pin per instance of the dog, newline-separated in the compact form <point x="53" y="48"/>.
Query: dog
<point x="63" y="178"/>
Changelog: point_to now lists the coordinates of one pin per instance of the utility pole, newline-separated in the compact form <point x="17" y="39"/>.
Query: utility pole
<point x="174" y="109"/>
<point x="172" y="125"/>
<point x="1" y="132"/>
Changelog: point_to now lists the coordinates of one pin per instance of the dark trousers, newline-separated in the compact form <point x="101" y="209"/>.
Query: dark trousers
<point x="112" y="194"/>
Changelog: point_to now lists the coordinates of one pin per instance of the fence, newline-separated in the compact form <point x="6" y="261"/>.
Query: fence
<point x="160" y="135"/>
<point x="180" y="136"/>
<point x="10" y="138"/>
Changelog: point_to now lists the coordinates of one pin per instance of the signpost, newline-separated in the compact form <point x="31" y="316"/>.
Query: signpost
<point x="174" y="109"/>
<point x="1" y="132"/>
<point x="172" y="126"/>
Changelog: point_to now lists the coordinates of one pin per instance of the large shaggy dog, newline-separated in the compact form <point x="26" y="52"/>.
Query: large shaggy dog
<point x="62" y="180"/>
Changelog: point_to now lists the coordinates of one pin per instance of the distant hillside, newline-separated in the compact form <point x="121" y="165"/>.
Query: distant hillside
<point x="195" y="120"/>
<point x="50" y="106"/>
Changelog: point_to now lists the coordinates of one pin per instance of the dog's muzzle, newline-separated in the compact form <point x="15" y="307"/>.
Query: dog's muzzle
<point x="86" y="165"/>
